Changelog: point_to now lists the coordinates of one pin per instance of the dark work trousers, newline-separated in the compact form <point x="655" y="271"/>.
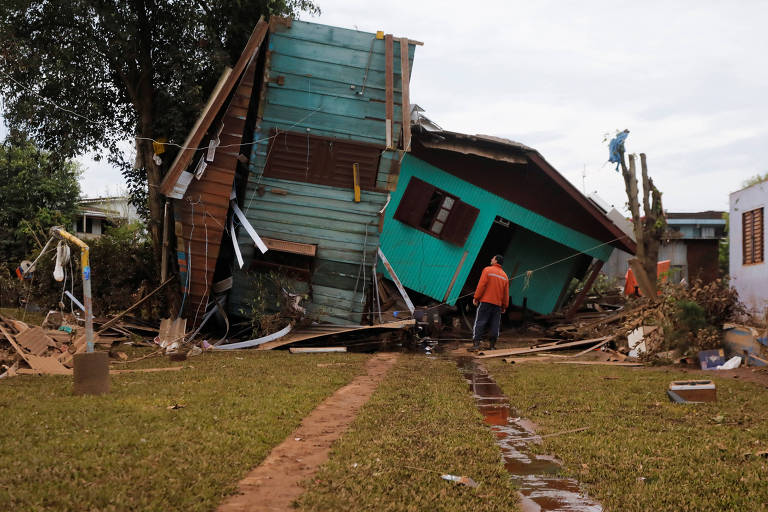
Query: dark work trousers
<point x="487" y="320"/>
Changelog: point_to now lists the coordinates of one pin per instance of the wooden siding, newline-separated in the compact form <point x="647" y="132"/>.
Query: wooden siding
<point x="203" y="210"/>
<point x="314" y="74"/>
<point x="427" y="264"/>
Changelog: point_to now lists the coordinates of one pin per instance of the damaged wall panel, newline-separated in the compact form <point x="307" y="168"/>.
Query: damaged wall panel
<point x="323" y="84"/>
<point x="426" y="263"/>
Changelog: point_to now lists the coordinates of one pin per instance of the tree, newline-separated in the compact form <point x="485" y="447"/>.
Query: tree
<point x="649" y="227"/>
<point x="754" y="180"/>
<point x="85" y="75"/>
<point x="38" y="190"/>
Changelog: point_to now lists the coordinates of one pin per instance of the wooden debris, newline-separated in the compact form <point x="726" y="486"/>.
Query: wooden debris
<point x="518" y="351"/>
<point x="35" y="340"/>
<point x="607" y="363"/>
<point x="598" y="345"/>
<point x="308" y="350"/>
<point x="141" y="301"/>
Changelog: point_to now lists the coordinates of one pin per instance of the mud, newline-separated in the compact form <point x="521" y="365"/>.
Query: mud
<point x="276" y="483"/>
<point x="541" y="487"/>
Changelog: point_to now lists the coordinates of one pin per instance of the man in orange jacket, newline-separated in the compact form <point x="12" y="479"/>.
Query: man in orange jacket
<point x="491" y="299"/>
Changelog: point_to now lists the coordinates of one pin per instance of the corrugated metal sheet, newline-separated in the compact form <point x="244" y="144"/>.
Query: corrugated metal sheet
<point x="315" y="75"/>
<point x="427" y="264"/>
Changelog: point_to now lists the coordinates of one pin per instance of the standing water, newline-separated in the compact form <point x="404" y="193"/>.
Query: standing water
<point x="541" y="489"/>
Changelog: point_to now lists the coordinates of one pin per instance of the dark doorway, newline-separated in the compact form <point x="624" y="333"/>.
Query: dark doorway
<point x="497" y="241"/>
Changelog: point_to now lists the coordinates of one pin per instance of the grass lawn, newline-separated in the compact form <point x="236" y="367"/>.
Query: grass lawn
<point x="641" y="451"/>
<point x="129" y="451"/>
<point x="420" y="423"/>
<point x="30" y="317"/>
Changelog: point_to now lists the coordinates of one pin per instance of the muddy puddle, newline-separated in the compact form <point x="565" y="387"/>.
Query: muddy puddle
<point x="541" y="487"/>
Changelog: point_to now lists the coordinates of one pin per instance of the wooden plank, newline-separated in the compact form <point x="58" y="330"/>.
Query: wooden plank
<point x="518" y="351"/>
<point x="220" y="94"/>
<point x="307" y="334"/>
<point x="35" y="340"/>
<point x="584" y="291"/>
<point x="598" y="345"/>
<point x="312" y="350"/>
<point x="604" y="363"/>
<point x="141" y="301"/>
<point x="389" y="81"/>
<point x="455" y="275"/>
<point x="406" y="108"/>
<point x="397" y="282"/>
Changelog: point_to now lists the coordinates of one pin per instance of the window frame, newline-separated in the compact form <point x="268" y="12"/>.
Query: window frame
<point x="455" y="213"/>
<point x="749" y="243"/>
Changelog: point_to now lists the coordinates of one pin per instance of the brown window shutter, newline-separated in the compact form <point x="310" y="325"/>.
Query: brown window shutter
<point x="414" y="202"/>
<point x="758" y="236"/>
<point x="314" y="159"/>
<point x="460" y="223"/>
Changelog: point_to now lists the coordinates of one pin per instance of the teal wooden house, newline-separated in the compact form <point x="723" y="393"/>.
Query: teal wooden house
<point x="324" y="154"/>
<point x="461" y="199"/>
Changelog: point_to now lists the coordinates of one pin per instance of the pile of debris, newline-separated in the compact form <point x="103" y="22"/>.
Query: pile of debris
<point x="50" y="347"/>
<point x="683" y="324"/>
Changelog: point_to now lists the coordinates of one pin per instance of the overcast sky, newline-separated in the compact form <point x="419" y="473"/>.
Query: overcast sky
<point x="687" y="78"/>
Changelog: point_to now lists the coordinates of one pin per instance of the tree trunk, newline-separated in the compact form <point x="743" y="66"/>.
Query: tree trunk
<point x="648" y="228"/>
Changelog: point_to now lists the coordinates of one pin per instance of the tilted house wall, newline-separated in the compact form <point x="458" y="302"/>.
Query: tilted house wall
<point x="439" y="265"/>
<point x="324" y="108"/>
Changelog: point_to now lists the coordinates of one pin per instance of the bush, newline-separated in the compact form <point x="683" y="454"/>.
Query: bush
<point x="123" y="271"/>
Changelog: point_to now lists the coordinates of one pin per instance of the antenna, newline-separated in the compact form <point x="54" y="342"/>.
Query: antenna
<point x="584" y="180"/>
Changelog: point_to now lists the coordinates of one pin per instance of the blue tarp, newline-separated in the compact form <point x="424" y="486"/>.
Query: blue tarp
<point x="616" y="148"/>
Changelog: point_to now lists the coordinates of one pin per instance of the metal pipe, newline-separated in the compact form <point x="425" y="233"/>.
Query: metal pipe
<point x="60" y="232"/>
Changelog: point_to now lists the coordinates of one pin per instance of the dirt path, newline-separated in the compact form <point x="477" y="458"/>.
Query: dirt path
<point x="276" y="482"/>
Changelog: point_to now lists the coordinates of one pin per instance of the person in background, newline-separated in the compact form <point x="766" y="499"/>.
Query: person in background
<point x="492" y="299"/>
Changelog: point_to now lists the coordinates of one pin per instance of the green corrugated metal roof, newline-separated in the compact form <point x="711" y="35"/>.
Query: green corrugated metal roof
<point x="426" y="264"/>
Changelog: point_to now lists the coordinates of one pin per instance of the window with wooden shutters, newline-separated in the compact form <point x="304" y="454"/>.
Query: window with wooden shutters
<point x="752" y="232"/>
<point x="436" y="212"/>
<point x="460" y="223"/>
<point x="323" y="160"/>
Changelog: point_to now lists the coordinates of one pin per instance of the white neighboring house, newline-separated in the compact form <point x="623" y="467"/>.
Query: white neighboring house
<point x="95" y="214"/>
<point x="747" y="266"/>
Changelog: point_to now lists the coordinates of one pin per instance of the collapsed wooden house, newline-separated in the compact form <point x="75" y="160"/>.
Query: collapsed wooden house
<point x="302" y="144"/>
<point x="461" y="199"/>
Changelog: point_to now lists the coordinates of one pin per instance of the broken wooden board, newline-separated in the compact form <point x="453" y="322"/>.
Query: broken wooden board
<point x="318" y="331"/>
<point x="46" y="365"/>
<point x="310" y="350"/>
<point x="67" y="371"/>
<point x="531" y="359"/>
<point x="606" y="363"/>
<point x="596" y="346"/>
<point x="171" y="330"/>
<point x="35" y="340"/>
<point x="484" y="354"/>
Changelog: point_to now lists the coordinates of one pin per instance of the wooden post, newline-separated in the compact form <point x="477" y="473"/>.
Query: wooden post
<point x="643" y="279"/>
<point x="596" y="267"/>
<point x="164" y="256"/>
<point x="405" y="77"/>
<point x="389" y="53"/>
<point x="356" y="180"/>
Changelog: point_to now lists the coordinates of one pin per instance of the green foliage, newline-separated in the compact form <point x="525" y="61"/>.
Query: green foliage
<point x="270" y="307"/>
<point x="121" y="271"/>
<point x="754" y="180"/>
<point x="723" y="249"/>
<point x="123" y="68"/>
<point x="692" y="316"/>
<point x="37" y="190"/>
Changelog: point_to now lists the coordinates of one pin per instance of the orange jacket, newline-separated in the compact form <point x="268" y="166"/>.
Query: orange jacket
<point x="493" y="286"/>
